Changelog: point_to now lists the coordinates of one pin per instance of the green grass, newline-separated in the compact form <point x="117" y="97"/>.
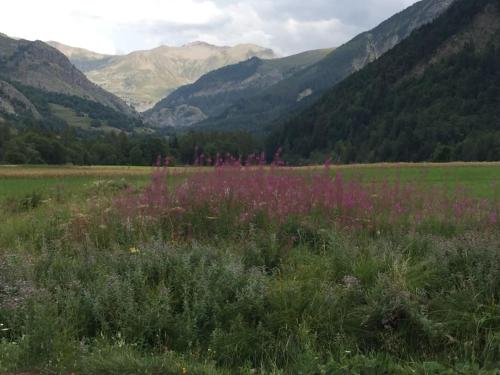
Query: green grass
<point x="20" y="180"/>
<point x="479" y="180"/>
<point x="12" y="187"/>
<point x="82" y="292"/>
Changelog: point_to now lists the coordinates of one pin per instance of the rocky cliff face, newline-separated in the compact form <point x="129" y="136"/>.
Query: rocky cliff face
<point x="41" y="66"/>
<point x="13" y="102"/>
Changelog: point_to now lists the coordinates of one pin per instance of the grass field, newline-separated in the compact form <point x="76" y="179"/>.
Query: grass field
<point x="19" y="180"/>
<point x="481" y="179"/>
<point x="136" y="270"/>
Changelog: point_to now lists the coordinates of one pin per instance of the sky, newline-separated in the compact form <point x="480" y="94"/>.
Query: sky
<point x="117" y="27"/>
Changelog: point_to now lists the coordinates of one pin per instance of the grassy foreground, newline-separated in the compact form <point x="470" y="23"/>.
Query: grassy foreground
<point x="88" y="288"/>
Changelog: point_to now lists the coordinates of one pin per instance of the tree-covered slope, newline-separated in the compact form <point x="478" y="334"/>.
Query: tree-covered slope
<point x="26" y="106"/>
<point x="214" y="92"/>
<point x="306" y="86"/>
<point x="436" y="96"/>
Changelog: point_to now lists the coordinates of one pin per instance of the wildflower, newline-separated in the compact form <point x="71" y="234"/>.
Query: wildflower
<point x="134" y="250"/>
<point x="103" y="227"/>
<point x="184" y="371"/>
<point x="493" y="218"/>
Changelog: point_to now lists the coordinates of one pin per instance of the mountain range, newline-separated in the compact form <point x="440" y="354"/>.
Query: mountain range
<point x="423" y="85"/>
<point x="260" y="107"/>
<point x="38" y="84"/>
<point x="142" y="78"/>
<point x="435" y="96"/>
<point x="38" y="65"/>
<point x="215" y="91"/>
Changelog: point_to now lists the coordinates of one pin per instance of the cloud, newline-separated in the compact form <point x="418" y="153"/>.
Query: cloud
<point x="288" y="26"/>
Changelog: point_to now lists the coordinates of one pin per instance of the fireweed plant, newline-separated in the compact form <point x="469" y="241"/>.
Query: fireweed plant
<point x="237" y="194"/>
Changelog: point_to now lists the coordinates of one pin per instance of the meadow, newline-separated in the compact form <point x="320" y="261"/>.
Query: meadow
<point x="368" y="269"/>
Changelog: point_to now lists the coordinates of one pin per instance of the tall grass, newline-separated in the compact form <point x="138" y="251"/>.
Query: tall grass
<point x="251" y="270"/>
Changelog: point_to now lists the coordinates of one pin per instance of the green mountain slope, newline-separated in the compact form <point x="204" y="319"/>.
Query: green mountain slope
<point x="436" y="96"/>
<point x="142" y="78"/>
<point x="26" y="106"/>
<point x="305" y="87"/>
<point x="39" y="65"/>
<point x="40" y="87"/>
<point x="217" y="90"/>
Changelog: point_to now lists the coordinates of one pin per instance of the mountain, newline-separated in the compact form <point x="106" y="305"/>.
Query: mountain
<point x="143" y="78"/>
<point x="218" y="90"/>
<point x="39" y="86"/>
<point x="39" y="65"/>
<point x="306" y="86"/>
<point x="83" y="59"/>
<point x="436" y="96"/>
<point x="13" y="102"/>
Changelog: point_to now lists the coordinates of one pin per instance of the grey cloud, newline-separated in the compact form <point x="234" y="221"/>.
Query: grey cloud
<point x="320" y="24"/>
<point x="360" y="12"/>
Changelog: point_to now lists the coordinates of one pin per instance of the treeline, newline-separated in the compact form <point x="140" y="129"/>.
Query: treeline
<point x="395" y="110"/>
<point x="37" y="145"/>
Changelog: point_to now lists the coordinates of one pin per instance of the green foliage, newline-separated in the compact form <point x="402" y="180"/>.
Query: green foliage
<point x="25" y="203"/>
<point x="395" y="110"/>
<point x="334" y="311"/>
<point x="97" y="112"/>
<point x="38" y="145"/>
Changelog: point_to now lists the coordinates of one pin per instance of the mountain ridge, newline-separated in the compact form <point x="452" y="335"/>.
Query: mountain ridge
<point x="142" y="78"/>
<point x="36" y="64"/>
<point x="258" y="112"/>
<point x="217" y="90"/>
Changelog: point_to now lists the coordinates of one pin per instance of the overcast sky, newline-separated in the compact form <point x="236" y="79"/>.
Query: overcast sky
<point x="120" y="26"/>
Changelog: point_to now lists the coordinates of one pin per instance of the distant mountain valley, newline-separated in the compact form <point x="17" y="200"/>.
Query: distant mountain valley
<point x="143" y="78"/>
<point x="254" y="94"/>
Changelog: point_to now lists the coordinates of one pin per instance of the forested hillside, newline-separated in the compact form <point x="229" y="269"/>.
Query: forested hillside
<point x="34" y="143"/>
<point x="435" y="97"/>
<point x="302" y="89"/>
